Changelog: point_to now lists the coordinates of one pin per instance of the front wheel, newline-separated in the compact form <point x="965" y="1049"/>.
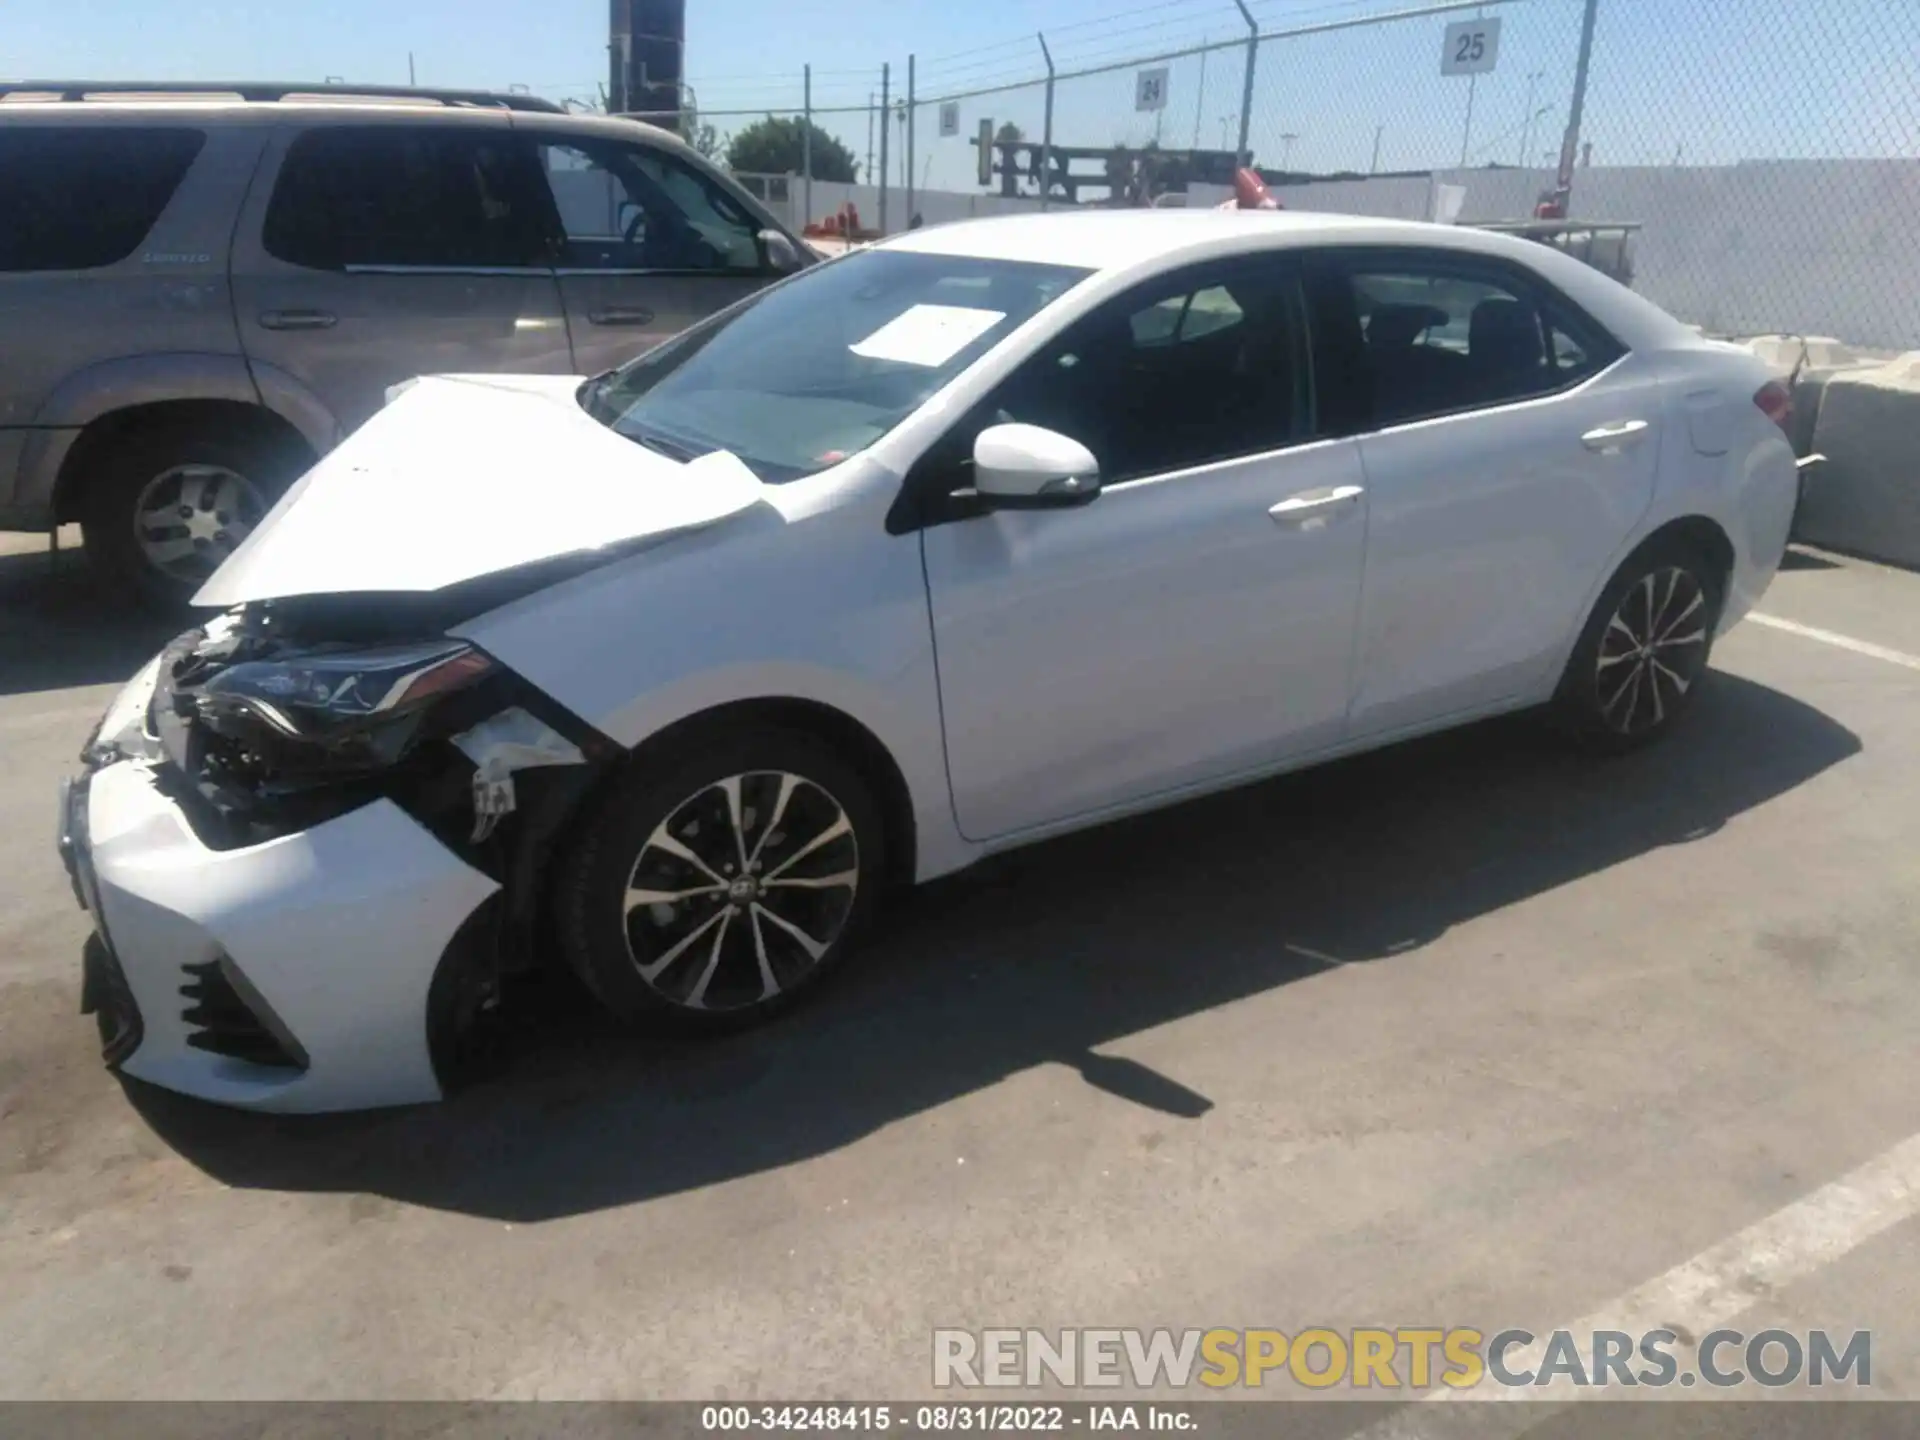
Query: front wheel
<point x="719" y="882"/>
<point x="1640" y="659"/>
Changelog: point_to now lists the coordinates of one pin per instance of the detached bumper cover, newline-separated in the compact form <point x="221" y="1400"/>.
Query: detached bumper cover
<point x="334" y="933"/>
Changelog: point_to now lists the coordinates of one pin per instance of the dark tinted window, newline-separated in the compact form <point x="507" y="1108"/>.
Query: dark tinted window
<point x="629" y="207"/>
<point x="79" y="197"/>
<point x="408" y="195"/>
<point x="1190" y="371"/>
<point x="1445" y="337"/>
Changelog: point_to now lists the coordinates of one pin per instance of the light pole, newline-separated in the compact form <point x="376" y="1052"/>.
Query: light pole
<point x="1526" y="140"/>
<point x="1373" y="166"/>
<point x="1532" y="80"/>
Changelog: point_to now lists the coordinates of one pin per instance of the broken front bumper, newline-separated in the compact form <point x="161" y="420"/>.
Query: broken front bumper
<point x="291" y="975"/>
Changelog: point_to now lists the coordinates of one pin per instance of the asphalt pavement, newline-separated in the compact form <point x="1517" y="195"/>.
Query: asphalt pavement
<point x="1468" y="1032"/>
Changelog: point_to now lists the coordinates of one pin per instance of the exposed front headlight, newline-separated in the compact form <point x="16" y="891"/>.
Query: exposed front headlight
<point x="360" y="707"/>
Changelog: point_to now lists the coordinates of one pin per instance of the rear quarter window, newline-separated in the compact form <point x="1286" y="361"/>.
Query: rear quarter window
<point x="84" y="197"/>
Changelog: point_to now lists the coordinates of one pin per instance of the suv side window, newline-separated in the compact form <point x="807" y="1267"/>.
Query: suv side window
<point x="1205" y="365"/>
<point x="407" y="196"/>
<point x="82" y="197"/>
<point x="1442" y="334"/>
<point x="632" y="207"/>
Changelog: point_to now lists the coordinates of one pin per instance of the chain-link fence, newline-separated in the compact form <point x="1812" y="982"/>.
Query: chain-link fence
<point x="1768" y="150"/>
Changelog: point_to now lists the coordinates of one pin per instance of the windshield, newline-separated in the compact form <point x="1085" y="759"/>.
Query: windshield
<point x="815" y="370"/>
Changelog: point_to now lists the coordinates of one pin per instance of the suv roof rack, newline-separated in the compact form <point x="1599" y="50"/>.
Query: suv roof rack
<point x="257" y="90"/>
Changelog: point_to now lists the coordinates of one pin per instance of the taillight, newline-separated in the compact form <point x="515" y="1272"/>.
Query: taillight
<point x="1776" y="403"/>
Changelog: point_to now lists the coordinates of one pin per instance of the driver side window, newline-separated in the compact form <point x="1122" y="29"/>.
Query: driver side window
<point x="1205" y="365"/>
<point x="630" y="207"/>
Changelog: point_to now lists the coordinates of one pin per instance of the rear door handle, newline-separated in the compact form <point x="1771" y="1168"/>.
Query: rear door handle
<point x="297" y="320"/>
<point x="618" y="315"/>
<point x="1611" y="439"/>
<point x="1309" y="505"/>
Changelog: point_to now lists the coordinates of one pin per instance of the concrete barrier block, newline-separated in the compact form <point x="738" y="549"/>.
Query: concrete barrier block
<point x="1866" y="498"/>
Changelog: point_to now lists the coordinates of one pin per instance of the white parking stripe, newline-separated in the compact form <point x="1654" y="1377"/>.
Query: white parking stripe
<point x="1845" y="642"/>
<point x="1703" y="1293"/>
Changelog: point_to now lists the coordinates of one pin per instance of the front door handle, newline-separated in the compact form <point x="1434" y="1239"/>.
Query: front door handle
<point x="1310" y="505"/>
<point x="1611" y="439"/>
<point x="297" y="320"/>
<point x="619" y="315"/>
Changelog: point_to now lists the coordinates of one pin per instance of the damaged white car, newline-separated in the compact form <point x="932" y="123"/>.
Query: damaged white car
<point x="989" y="532"/>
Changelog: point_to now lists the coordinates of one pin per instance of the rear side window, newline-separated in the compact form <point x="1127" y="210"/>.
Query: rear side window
<point x="1439" y="337"/>
<point x="80" y="197"/>
<point x="407" y="195"/>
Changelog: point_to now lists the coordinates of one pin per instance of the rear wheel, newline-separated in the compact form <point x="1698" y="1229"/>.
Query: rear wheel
<point x="1639" y="662"/>
<point x="721" y="881"/>
<point x="171" y="502"/>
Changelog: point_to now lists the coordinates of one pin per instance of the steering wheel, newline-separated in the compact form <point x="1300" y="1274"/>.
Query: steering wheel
<point x="634" y="226"/>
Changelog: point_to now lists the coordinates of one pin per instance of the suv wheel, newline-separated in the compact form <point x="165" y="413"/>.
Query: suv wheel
<point x="720" y="881"/>
<point x="170" y="503"/>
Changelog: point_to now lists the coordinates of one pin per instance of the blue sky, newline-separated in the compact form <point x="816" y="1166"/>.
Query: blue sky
<point x="1703" y="80"/>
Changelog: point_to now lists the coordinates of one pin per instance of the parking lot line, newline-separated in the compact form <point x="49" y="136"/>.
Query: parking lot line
<point x="1845" y="642"/>
<point x="1705" y="1292"/>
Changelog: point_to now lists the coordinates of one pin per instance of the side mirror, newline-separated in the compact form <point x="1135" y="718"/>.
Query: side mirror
<point x="783" y="256"/>
<point x="1023" y="467"/>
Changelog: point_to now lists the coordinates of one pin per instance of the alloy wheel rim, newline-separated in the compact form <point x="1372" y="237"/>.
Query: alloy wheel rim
<point x="1652" y="651"/>
<point x="740" y="892"/>
<point x="190" y="518"/>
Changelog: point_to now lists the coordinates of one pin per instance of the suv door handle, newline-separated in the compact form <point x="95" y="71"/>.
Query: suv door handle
<point x="1314" y="504"/>
<point x="619" y="315"/>
<point x="1611" y="439"/>
<point x="297" y="320"/>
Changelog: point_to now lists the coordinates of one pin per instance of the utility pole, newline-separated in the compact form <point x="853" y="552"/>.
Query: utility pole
<point x="1570" y="145"/>
<point x="1199" y="98"/>
<point x="1046" y="138"/>
<point x="868" y="172"/>
<point x="410" y="79"/>
<point x="806" y="148"/>
<point x="886" y="109"/>
<point x="1241" y="157"/>
<point x="1373" y="165"/>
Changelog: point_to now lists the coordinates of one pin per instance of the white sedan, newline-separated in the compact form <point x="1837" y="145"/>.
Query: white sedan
<point x="987" y="533"/>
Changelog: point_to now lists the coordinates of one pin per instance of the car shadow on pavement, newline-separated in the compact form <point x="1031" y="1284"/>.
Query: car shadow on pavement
<point x="1042" y="957"/>
<point x="60" y="628"/>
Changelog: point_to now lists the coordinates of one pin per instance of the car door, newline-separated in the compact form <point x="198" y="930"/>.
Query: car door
<point x="1509" y="444"/>
<point x="1192" y="623"/>
<point x="385" y="248"/>
<point x="648" y="245"/>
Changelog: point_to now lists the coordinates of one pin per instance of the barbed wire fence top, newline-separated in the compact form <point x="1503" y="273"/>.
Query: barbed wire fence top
<point x="1769" y="149"/>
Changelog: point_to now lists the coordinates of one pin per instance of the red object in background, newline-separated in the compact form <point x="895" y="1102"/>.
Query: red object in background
<point x="1250" y="192"/>
<point x="1776" y="402"/>
<point x="1549" y="209"/>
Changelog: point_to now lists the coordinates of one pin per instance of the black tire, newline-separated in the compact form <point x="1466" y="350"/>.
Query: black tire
<point x="266" y="463"/>
<point x="1637" y="666"/>
<point x="612" y="940"/>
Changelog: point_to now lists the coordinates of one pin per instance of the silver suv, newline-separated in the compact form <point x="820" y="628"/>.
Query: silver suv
<point x="204" y="291"/>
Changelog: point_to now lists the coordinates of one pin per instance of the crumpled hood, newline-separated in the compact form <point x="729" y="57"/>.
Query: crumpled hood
<point x="466" y="475"/>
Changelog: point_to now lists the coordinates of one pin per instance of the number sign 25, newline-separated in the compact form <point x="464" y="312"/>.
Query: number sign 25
<point x="1472" y="47"/>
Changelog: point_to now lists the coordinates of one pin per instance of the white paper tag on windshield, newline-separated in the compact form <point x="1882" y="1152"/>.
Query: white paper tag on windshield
<point x="928" y="334"/>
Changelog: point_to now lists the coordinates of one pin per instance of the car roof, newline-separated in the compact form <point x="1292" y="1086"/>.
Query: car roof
<point x="1125" y="244"/>
<point x="1124" y="239"/>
